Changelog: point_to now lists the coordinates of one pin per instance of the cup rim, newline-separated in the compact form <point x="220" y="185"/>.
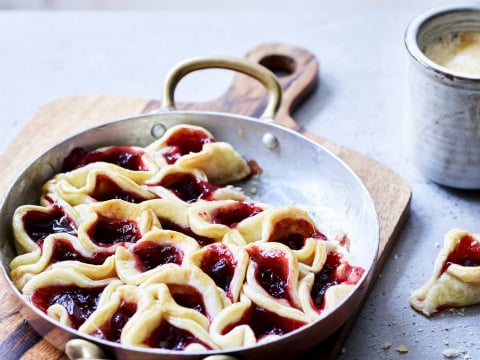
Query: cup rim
<point x="413" y="29"/>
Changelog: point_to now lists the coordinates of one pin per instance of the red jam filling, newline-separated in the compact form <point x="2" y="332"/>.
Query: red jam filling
<point x="124" y="156"/>
<point x="170" y="225"/>
<point x="185" y="141"/>
<point x="465" y="253"/>
<point x="230" y="215"/>
<point x="112" y="330"/>
<point x="188" y="187"/>
<point x="294" y="232"/>
<point x="150" y="254"/>
<point x="188" y="296"/>
<point x="39" y="224"/>
<point x="335" y="271"/>
<point x="110" y="231"/>
<point x="264" y="322"/>
<point x="271" y="271"/>
<point x="167" y="336"/>
<point x="107" y="189"/>
<point x="219" y="264"/>
<point x="78" y="302"/>
<point x="63" y="250"/>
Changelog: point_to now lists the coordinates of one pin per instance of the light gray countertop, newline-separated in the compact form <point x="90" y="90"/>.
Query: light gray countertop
<point x="359" y="103"/>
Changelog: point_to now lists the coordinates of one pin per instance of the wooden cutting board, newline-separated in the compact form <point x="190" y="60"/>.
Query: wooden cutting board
<point x="298" y="75"/>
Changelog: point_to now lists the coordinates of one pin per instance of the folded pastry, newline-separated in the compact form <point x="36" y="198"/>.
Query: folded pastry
<point x="173" y="215"/>
<point x="246" y="323"/>
<point x="33" y="223"/>
<point x="189" y="185"/>
<point x="322" y="289"/>
<point x="165" y="324"/>
<point x="456" y="276"/>
<point x="225" y="264"/>
<point x="272" y="276"/>
<point x="108" y="224"/>
<point x="215" y="218"/>
<point x="99" y="182"/>
<point x="190" y="287"/>
<point x="115" y="309"/>
<point x="218" y="160"/>
<point x="153" y="253"/>
<point x="62" y="251"/>
<point x="132" y="158"/>
<point x="66" y="295"/>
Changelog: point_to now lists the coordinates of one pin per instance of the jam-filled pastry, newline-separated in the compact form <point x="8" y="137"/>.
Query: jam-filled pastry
<point x="194" y="147"/>
<point x="321" y="291"/>
<point x="246" y="323"/>
<point x="114" y="311"/>
<point x="272" y="276"/>
<point x="225" y="264"/>
<point x="164" y="295"/>
<point x="165" y="324"/>
<point x="180" y="140"/>
<point x="63" y="251"/>
<point x="189" y="185"/>
<point x="456" y="277"/>
<point x="190" y="287"/>
<point x="66" y="295"/>
<point x="158" y="248"/>
<point x="173" y="215"/>
<point x="132" y="158"/>
<point x="33" y="223"/>
<point x="109" y="224"/>
<point x="99" y="182"/>
<point x="216" y="218"/>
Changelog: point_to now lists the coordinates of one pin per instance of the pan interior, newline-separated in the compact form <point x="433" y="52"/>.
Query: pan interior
<point x="296" y="172"/>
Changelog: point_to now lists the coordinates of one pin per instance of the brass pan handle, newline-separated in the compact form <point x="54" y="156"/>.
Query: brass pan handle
<point x="79" y="349"/>
<point x="256" y="71"/>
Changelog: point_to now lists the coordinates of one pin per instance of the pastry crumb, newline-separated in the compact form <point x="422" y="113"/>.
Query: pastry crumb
<point x="402" y="349"/>
<point x="386" y="345"/>
<point x="452" y="353"/>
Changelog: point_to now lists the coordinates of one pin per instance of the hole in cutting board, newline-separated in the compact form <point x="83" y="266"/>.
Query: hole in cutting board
<point x="280" y="65"/>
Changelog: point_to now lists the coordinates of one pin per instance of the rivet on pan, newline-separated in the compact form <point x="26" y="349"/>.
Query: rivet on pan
<point x="270" y="140"/>
<point x="158" y="130"/>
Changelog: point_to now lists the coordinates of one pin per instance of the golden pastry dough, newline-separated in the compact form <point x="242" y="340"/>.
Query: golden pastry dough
<point x="106" y="225"/>
<point x="456" y="277"/>
<point x="172" y="247"/>
<point x="93" y="183"/>
<point x="70" y="282"/>
<point x="218" y="160"/>
<point x="125" y="300"/>
<point x="63" y="251"/>
<point x="226" y="264"/>
<point x="336" y="279"/>
<point x="191" y="284"/>
<point x="165" y="313"/>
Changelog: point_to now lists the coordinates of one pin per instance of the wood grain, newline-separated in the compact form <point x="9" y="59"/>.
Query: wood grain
<point x="67" y="116"/>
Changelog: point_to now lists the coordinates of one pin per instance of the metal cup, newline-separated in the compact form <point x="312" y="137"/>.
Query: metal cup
<point x="443" y="104"/>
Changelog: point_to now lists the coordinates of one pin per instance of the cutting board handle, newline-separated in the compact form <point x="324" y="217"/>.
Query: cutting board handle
<point x="296" y="69"/>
